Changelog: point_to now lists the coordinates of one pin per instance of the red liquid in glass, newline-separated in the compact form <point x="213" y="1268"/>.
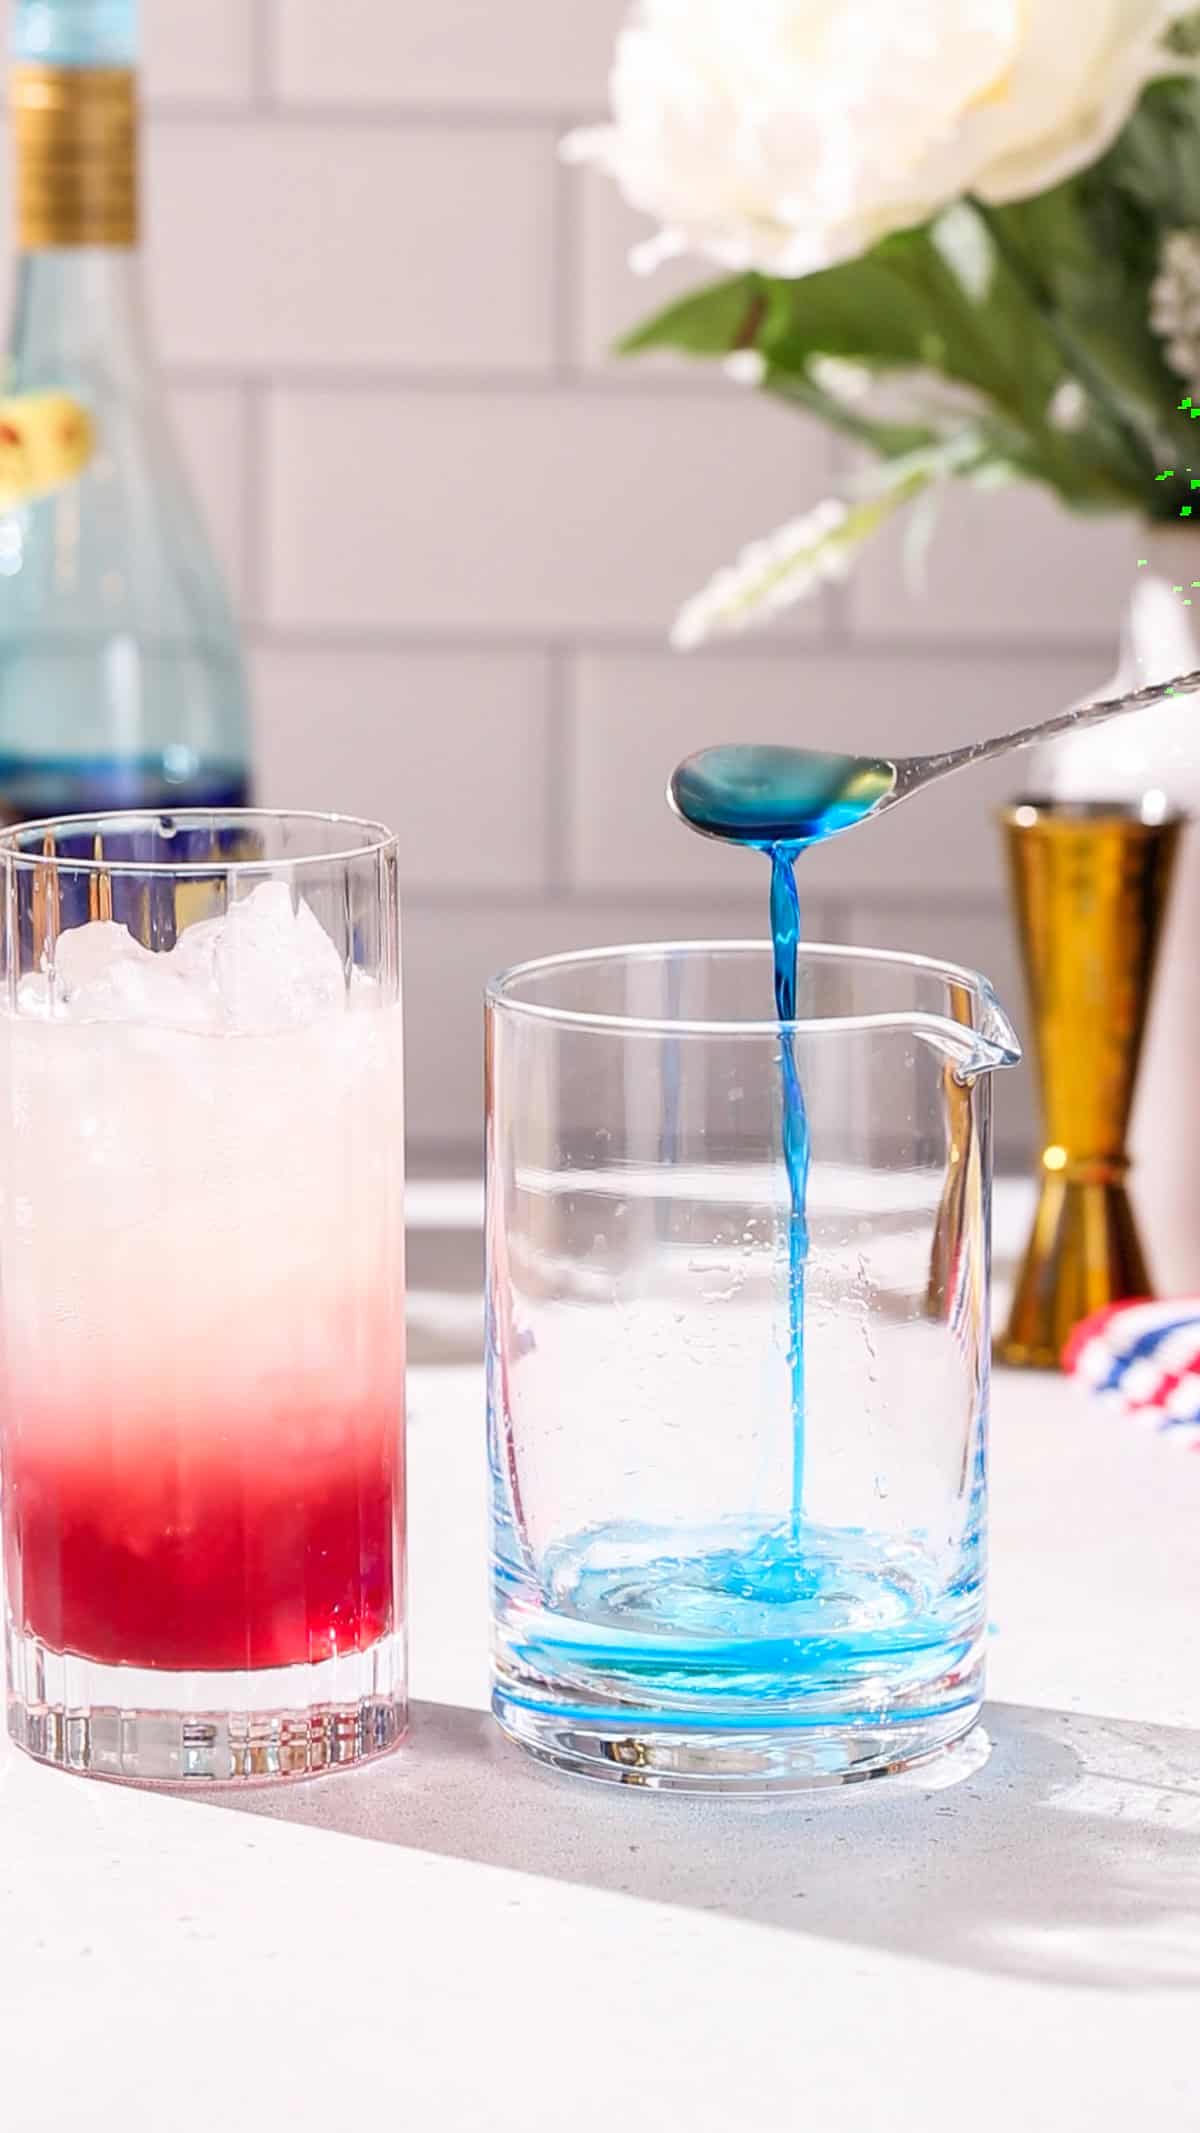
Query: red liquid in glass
<point x="272" y="1542"/>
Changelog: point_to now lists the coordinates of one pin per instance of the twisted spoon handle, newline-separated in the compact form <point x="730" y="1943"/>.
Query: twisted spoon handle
<point x="936" y="766"/>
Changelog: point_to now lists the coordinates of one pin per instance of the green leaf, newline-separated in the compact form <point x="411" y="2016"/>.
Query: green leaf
<point x="902" y="305"/>
<point x="1146" y="187"/>
<point x="908" y="304"/>
<point x="891" y="440"/>
<point x="1154" y="160"/>
<point x="715" y="320"/>
<point x="1096" y="245"/>
<point x="914" y="302"/>
<point x="1088" y="246"/>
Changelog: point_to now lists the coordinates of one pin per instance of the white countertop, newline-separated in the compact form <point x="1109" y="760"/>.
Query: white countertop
<point x="454" y="1940"/>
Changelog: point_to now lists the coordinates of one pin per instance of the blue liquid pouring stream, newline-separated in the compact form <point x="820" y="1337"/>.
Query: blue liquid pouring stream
<point x="785" y="940"/>
<point x="780" y="801"/>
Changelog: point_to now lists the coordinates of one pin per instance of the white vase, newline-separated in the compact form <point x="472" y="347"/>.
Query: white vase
<point x="1165" y="1141"/>
<point x="1158" y="752"/>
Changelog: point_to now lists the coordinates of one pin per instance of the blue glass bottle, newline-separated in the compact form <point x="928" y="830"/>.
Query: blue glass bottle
<point x="121" y="679"/>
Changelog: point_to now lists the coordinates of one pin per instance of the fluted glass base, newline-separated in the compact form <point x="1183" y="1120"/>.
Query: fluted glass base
<point x="154" y="1727"/>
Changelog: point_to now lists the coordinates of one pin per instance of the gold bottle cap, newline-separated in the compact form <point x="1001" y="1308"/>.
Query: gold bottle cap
<point x="76" y="140"/>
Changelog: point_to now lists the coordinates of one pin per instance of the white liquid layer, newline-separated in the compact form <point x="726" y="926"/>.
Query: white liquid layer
<point x="186" y="1211"/>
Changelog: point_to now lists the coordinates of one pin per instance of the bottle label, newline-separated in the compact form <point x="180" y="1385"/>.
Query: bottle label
<point x="46" y="439"/>
<point x="76" y="138"/>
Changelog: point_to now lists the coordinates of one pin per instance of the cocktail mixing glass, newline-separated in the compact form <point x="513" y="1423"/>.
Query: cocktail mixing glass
<point x="696" y="1584"/>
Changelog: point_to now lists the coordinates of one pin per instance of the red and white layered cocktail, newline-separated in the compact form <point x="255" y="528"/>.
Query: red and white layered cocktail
<point x="201" y="1253"/>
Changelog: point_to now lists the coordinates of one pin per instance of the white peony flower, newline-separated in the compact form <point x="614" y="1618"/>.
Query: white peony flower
<point x="1175" y="303"/>
<point x="789" y="134"/>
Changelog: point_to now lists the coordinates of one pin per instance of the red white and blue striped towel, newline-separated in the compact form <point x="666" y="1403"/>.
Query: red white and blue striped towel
<point x="1142" y="1360"/>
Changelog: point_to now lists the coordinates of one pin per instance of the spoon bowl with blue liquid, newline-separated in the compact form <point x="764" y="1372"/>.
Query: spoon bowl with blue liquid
<point x="788" y="799"/>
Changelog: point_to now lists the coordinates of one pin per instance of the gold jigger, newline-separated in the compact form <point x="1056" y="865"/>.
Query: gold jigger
<point x="1091" y="886"/>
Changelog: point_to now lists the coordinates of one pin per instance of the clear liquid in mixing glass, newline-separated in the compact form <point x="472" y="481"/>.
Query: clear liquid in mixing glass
<point x="764" y="1611"/>
<point x="799" y="1616"/>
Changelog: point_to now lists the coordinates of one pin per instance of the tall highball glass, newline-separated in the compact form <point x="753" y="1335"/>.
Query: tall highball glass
<point x="201" y="1293"/>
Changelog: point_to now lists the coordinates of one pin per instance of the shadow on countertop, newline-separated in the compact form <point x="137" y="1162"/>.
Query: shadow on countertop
<point x="1072" y="1856"/>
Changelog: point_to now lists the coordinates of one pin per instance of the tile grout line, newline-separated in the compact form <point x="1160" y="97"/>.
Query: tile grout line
<point x="434" y="897"/>
<point x="556" y="788"/>
<point x="563" y="279"/>
<point x="262" y="56"/>
<point x="398" y="378"/>
<point x="836" y="911"/>
<point x="295" y="113"/>
<point x="463" y="640"/>
<point x="255" y="473"/>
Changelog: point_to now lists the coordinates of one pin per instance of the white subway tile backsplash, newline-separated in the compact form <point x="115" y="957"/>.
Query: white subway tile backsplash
<point x="210" y="425"/>
<point x="608" y="298"/>
<point x="198" y="51"/>
<point x="1007" y="564"/>
<point x="449" y="955"/>
<point x="540" y="55"/>
<point x="501" y="513"/>
<point x="634" y="717"/>
<point x="291" y="246"/>
<point x="448" y="749"/>
<point x="462" y="529"/>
